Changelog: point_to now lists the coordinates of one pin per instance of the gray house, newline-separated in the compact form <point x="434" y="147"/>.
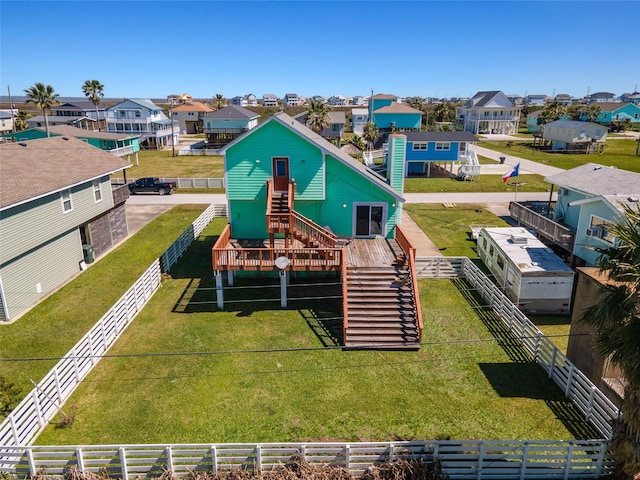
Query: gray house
<point x="57" y="213"/>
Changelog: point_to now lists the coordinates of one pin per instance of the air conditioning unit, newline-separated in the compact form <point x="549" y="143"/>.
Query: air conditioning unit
<point x="562" y="191"/>
<point x="594" y="232"/>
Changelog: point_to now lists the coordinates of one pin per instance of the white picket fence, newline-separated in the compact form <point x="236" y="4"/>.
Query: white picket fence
<point x="590" y="401"/>
<point x="181" y="182"/>
<point x="465" y="459"/>
<point x="44" y="402"/>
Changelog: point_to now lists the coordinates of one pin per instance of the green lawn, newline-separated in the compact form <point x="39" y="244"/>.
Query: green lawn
<point x="52" y="327"/>
<point x="617" y="152"/>
<point x="185" y="372"/>
<point x="484" y="183"/>
<point x="161" y="163"/>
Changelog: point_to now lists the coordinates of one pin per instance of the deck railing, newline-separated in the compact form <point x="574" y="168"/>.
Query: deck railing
<point x="410" y="251"/>
<point x="544" y="226"/>
<point x="263" y="259"/>
<point x="312" y="231"/>
<point x="345" y="306"/>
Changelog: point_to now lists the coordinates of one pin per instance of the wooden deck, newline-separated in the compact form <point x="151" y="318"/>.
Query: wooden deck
<point x="372" y="252"/>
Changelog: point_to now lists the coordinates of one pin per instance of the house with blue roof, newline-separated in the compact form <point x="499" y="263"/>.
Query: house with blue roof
<point x="144" y="118"/>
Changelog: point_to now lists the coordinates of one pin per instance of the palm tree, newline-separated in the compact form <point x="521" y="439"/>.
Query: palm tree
<point x="616" y="320"/>
<point x="93" y="90"/>
<point x="552" y="112"/>
<point x="592" y="112"/>
<point x="357" y="141"/>
<point x="219" y="100"/>
<point x="442" y="112"/>
<point x="43" y="97"/>
<point x="370" y="134"/>
<point x="20" y="121"/>
<point x="318" y="116"/>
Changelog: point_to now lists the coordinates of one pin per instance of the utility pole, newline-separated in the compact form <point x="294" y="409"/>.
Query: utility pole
<point x="173" y="141"/>
<point x="13" y="124"/>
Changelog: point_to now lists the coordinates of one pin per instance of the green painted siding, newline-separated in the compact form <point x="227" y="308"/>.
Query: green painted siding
<point x="28" y="278"/>
<point x="248" y="164"/>
<point x="29" y="225"/>
<point x="248" y="218"/>
<point x="397" y="149"/>
<point x="30" y="134"/>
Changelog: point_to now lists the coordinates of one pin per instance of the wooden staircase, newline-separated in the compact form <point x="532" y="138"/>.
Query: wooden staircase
<point x="381" y="309"/>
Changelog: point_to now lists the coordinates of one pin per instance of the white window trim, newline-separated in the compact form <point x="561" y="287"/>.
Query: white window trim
<point x="64" y="196"/>
<point x="97" y="190"/>
<point x="419" y="146"/>
<point x="440" y="146"/>
<point x="385" y="218"/>
<point x="604" y="224"/>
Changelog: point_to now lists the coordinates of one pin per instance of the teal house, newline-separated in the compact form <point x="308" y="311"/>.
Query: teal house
<point x="618" y="112"/>
<point x="388" y="114"/>
<point x="119" y="144"/>
<point x="297" y="203"/>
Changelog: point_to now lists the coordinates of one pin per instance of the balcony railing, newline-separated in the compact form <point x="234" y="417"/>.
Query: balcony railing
<point x="224" y="130"/>
<point x="120" y="193"/>
<point x="120" y="151"/>
<point x="544" y="226"/>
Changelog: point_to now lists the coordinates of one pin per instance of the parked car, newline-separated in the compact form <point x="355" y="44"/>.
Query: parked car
<point x="151" y="184"/>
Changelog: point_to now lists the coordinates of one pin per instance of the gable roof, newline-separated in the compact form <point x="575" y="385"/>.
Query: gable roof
<point x="79" y="105"/>
<point x="143" y="102"/>
<point x="593" y="179"/>
<point x="397" y="108"/>
<point x="384" y="96"/>
<point x="324" y="145"/>
<point x="29" y="170"/>
<point x="192" y="107"/>
<point x="337" y="117"/>
<point x="493" y="98"/>
<point x="613" y="106"/>
<point x="572" y="124"/>
<point x="81" y="132"/>
<point x="233" y="112"/>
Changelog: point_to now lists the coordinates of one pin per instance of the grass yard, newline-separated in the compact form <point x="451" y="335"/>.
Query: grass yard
<point x="449" y="230"/>
<point x="53" y="326"/>
<point x="617" y="152"/>
<point x="185" y="372"/>
<point x="161" y="163"/>
<point x="485" y="183"/>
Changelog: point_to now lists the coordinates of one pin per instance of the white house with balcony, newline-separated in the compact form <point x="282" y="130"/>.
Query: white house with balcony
<point x="337" y="101"/>
<point x="291" y="100"/>
<point x="359" y="118"/>
<point x="144" y="118"/>
<point x="488" y="112"/>
<point x="269" y="100"/>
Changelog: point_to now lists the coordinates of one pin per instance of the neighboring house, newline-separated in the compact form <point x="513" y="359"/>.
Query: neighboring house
<point x="590" y="198"/>
<point x="535" y="100"/>
<point x="425" y="150"/>
<point x="226" y="124"/>
<point x="574" y="136"/>
<point x="631" y="97"/>
<point x="359" y="118"/>
<point x="57" y="212"/>
<point x="252" y="100"/>
<point x="189" y="116"/>
<point x="322" y="208"/>
<point x="387" y="114"/>
<point x="599" y="97"/>
<point x="360" y="101"/>
<point x="82" y="112"/>
<point x="516" y="99"/>
<point x="532" y="121"/>
<point x="563" y="99"/>
<point x="239" y="101"/>
<point x="38" y="121"/>
<point x="291" y="100"/>
<point x="118" y="144"/>
<point x="337" y="101"/>
<point x="269" y="100"/>
<point x="618" y="112"/>
<point x="6" y="121"/>
<point x="581" y="349"/>
<point x="144" y="118"/>
<point x="488" y="112"/>
<point x="334" y="131"/>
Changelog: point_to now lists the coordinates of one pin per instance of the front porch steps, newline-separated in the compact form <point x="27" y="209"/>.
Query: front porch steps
<point x="381" y="309"/>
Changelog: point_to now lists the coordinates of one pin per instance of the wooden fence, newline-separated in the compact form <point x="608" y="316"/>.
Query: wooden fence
<point x="41" y="406"/>
<point x="590" y="401"/>
<point x="466" y="459"/>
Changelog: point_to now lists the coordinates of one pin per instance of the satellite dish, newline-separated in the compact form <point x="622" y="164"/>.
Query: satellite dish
<point x="282" y="262"/>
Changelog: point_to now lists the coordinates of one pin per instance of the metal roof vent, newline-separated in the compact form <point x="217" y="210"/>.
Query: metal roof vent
<point x="518" y="240"/>
<point x="22" y="144"/>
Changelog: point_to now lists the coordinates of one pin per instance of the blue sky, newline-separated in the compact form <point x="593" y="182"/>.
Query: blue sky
<point x="443" y="48"/>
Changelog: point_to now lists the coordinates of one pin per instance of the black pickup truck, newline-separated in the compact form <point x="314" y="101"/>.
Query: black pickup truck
<point x="151" y="184"/>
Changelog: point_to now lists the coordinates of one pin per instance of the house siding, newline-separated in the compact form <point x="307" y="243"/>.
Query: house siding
<point x="399" y="120"/>
<point x="431" y="154"/>
<point x="570" y="215"/>
<point x="246" y="176"/>
<point x="584" y="245"/>
<point x="49" y="266"/>
<point x="27" y="226"/>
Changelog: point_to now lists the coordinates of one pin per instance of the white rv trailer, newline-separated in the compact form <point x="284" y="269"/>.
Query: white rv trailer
<point x="531" y="274"/>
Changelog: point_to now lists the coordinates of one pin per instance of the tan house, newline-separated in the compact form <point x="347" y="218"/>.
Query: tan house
<point x="189" y="116"/>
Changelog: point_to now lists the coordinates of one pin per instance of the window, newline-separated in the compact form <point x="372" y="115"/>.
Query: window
<point x="484" y="243"/>
<point x="419" y="145"/>
<point x="65" y="197"/>
<point x="500" y="262"/>
<point x="599" y="228"/>
<point x="443" y="146"/>
<point x="491" y="251"/>
<point x="97" y="191"/>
